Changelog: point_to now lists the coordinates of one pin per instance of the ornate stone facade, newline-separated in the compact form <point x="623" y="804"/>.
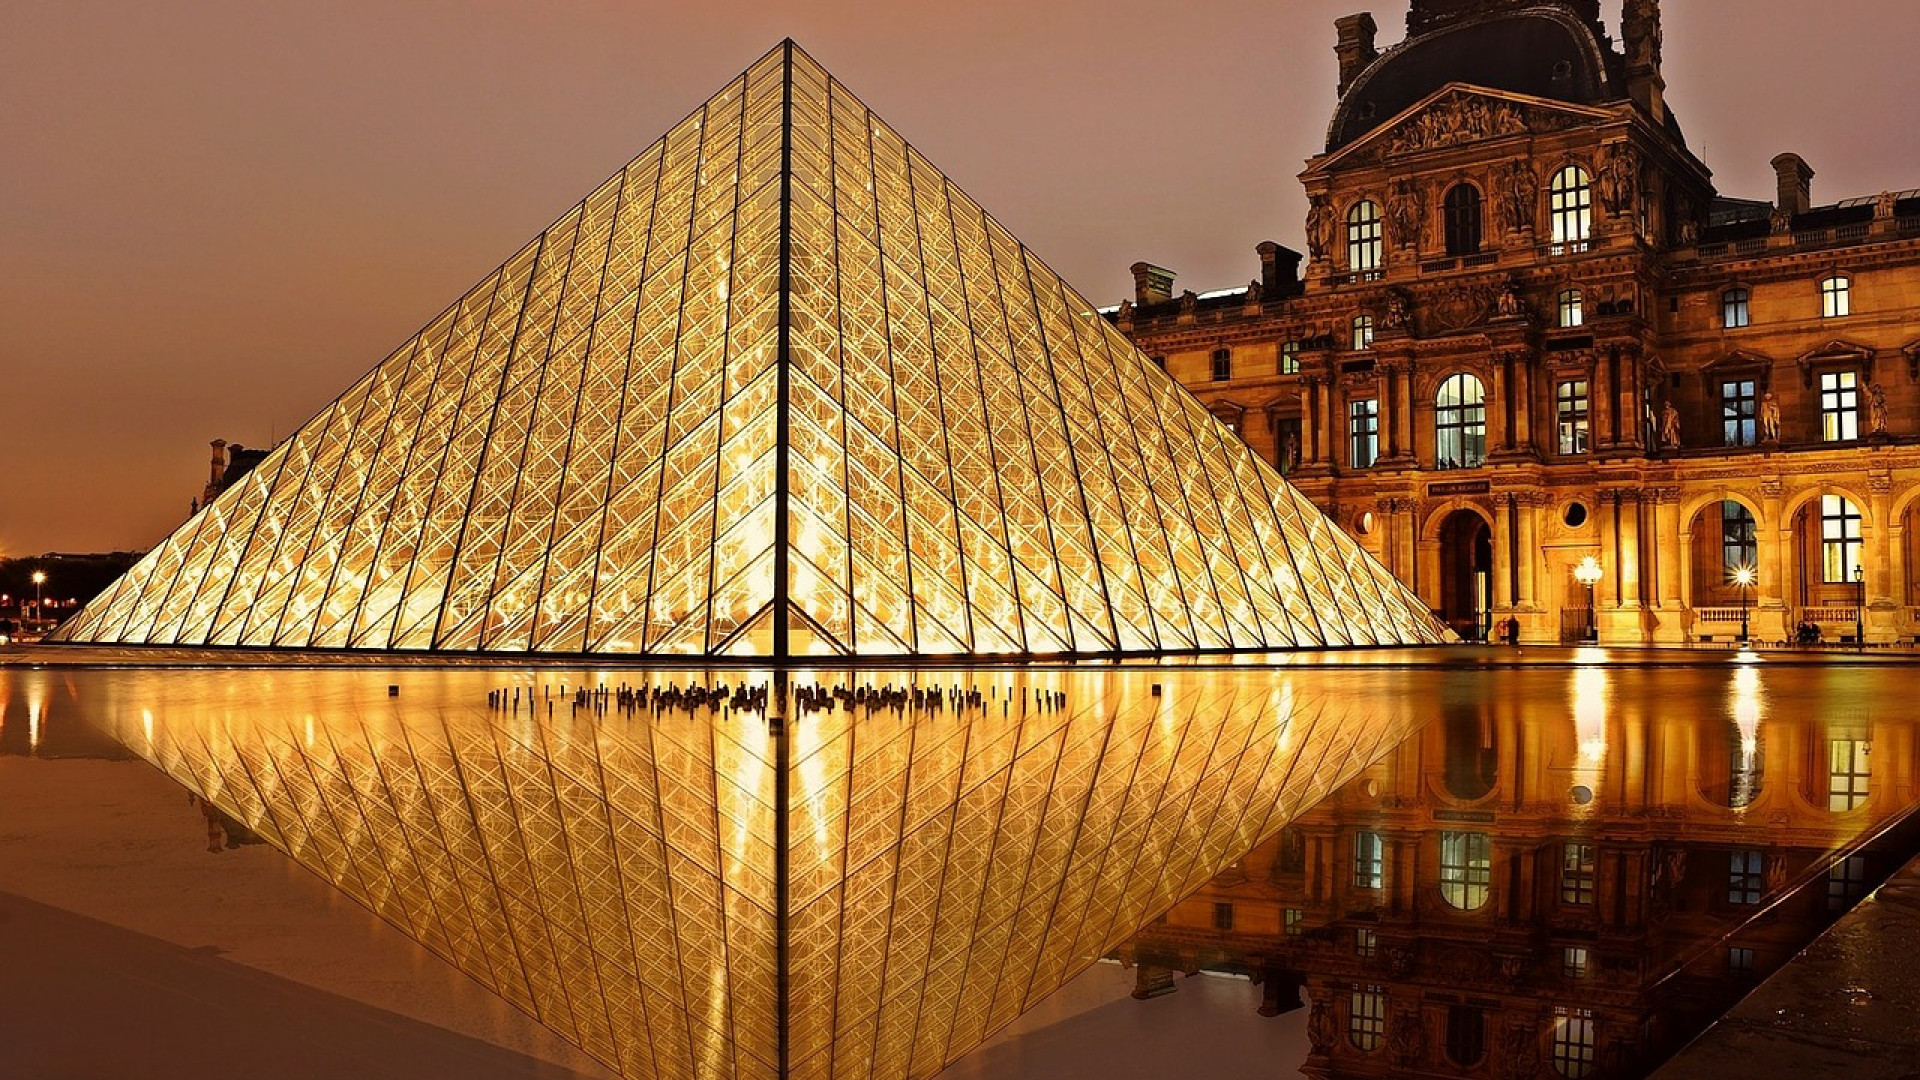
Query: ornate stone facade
<point x="1526" y="287"/>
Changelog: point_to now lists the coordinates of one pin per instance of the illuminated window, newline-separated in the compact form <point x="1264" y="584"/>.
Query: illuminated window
<point x="1365" y="941"/>
<point x="1294" y="921"/>
<point x="1363" y="432"/>
<point x="1570" y="199"/>
<point x="1466" y="869"/>
<point x="1462" y="206"/>
<point x="1847" y="774"/>
<point x="1836" y="296"/>
<point x="1740" y="962"/>
<point x="1573" y="1055"/>
<point x="1460" y="423"/>
<point x="1746" y="877"/>
<point x="1367" y="1018"/>
<point x="1576" y="874"/>
<point x="1223" y="916"/>
<point x="1369" y="861"/>
<point x="1739" y="539"/>
<point x="1846" y="882"/>
<point x="1365" y="244"/>
<point x="1839" y="539"/>
<point x="1571" y="305"/>
<point x="1839" y="406"/>
<point x="1222" y="365"/>
<point x="1290" y="358"/>
<point x="1573" y="962"/>
<point x="1362" y="332"/>
<point x="1739" y="412"/>
<point x="1571" y="408"/>
<point x="1736" y="308"/>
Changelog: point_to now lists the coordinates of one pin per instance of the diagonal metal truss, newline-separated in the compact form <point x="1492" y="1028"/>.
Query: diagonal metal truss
<point x="778" y="388"/>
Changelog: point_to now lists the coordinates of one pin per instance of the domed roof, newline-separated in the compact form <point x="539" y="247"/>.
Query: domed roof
<point x="1544" y="51"/>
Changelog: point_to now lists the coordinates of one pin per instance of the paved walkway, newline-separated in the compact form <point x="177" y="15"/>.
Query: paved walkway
<point x="1849" y="1006"/>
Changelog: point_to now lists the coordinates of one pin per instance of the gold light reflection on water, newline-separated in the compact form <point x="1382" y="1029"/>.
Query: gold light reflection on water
<point x="612" y="871"/>
<point x="1590" y="707"/>
<point x="580" y="455"/>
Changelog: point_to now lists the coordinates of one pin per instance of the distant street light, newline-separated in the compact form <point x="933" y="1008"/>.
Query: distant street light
<point x="1744" y="578"/>
<point x="39" y="579"/>
<point x="1588" y="574"/>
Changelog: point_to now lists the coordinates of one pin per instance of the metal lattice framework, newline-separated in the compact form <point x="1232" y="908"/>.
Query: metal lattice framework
<point x="778" y="388"/>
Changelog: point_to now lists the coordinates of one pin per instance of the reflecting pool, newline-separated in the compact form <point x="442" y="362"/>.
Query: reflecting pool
<point x="1547" y="868"/>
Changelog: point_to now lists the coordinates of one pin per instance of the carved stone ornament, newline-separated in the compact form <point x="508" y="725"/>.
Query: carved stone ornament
<point x="1519" y="192"/>
<point x="1320" y="226"/>
<point x="1406" y="214"/>
<point x="1394" y="312"/>
<point x="1519" y="1052"/>
<point x="1407" y="1038"/>
<point x="1620" y="180"/>
<point x="1462" y="307"/>
<point x="1322" y="1031"/>
<point x="1461" y="118"/>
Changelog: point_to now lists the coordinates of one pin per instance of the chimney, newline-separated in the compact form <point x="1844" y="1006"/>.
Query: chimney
<point x="1279" y="269"/>
<point x="219" y="462"/>
<point x="1795" y="181"/>
<point x="1641" y="34"/>
<point x="1355" y="47"/>
<point x="1151" y="284"/>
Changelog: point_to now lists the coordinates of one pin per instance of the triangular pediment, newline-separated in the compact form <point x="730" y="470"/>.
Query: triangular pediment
<point x="1459" y="114"/>
<point x="1739" y="358"/>
<point x="778" y="388"/>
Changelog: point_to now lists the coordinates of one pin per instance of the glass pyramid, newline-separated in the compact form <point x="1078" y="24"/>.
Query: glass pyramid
<point x="778" y="388"/>
<point x="687" y="894"/>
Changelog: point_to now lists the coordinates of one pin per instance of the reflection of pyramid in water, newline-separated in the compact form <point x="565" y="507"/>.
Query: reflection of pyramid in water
<point x="779" y="306"/>
<point x="621" y="879"/>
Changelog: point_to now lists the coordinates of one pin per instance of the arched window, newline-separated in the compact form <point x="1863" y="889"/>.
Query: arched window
<point x="1836" y="296"/>
<point x="1571" y="204"/>
<point x="1571" y="305"/>
<point x="1739" y="540"/>
<point x="1736" y="308"/>
<point x="1573" y="1055"/>
<point x="1466" y="869"/>
<point x="1839" y="540"/>
<point x="1365" y="246"/>
<point x="1463" y="220"/>
<point x="1362" y="332"/>
<point x="1460" y="423"/>
<point x="1367" y="1018"/>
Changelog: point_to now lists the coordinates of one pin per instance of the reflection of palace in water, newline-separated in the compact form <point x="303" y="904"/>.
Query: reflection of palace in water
<point x="1509" y="898"/>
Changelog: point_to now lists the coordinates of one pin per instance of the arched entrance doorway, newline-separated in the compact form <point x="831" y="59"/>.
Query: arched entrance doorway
<point x="1466" y="575"/>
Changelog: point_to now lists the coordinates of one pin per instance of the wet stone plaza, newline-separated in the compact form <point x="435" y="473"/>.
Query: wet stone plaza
<point x="1453" y="862"/>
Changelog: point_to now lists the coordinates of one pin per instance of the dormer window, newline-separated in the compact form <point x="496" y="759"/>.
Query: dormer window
<point x="1366" y="246"/>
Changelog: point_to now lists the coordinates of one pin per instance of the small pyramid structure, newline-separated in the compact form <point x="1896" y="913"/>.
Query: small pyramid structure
<point x="780" y="389"/>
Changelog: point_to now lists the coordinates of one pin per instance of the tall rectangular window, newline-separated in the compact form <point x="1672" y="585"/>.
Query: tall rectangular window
<point x="1366" y="245"/>
<point x="1846" y="882"/>
<point x="1739" y="539"/>
<point x="1222" y="365"/>
<point x="1574" y="961"/>
<point x="1570" y="199"/>
<point x="1836" y="297"/>
<point x="1740" y="962"/>
<point x="1362" y="333"/>
<point x="1223" y="917"/>
<point x="1572" y="309"/>
<point x="1746" y="877"/>
<point x="1847" y="774"/>
<point x="1573" y="410"/>
<point x="1839" y="406"/>
<point x="1366" y="941"/>
<point x="1293" y="921"/>
<point x="1466" y="869"/>
<point x="1369" y="861"/>
<point x="1363" y="432"/>
<point x="1840" y="540"/>
<point x="1290" y="358"/>
<point x="1576" y="874"/>
<point x="1573" y="1055"/>
<point x="1367" y="1018"/>
<point x="1739" y="412"/>
<point x="1736" y="309"/>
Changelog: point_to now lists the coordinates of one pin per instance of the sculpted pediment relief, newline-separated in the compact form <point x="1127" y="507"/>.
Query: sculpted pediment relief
<point x="1457" y="115"/>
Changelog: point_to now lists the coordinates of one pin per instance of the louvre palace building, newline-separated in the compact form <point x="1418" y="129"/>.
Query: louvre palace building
<point x="1548" y="374"/>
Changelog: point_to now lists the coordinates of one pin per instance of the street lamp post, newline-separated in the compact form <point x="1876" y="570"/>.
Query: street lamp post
<point x="1588" y="574"/>
<point x="1743" y="577"/>
<point x="39" y="579"/>
<point x="1860" y="609"/>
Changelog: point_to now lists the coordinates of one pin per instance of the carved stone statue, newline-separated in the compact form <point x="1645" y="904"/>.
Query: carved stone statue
<point x="1319" y="228"/>
<point x="1406" y="214"/>
<point x="1781" y="223"/>
<point x="1126" y="312"/>
<point x="1519" y="1052"/>
<point x="1670" y="427"/>
<point x="1883" y="205"/>
<point x="1394" y="314"/>
<point x="1519" y="193"/>
<point x="1620" y="180"/>
<point x="1876" y="409"/>
<point x="1255" y="291"/>
<point x="1407" y="1039"/>
<point x="1321" y="1029"/>
<point x="1509" y="305"/>
<point x="1689" y="233"/>
<point x="1189" y="303"/>
<point x="1769" y="418"/>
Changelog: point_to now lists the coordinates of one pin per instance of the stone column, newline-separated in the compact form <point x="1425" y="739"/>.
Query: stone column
<point x="1601" y="396"/>
<point x="1408" y="445"/>
<point x="1499" y="432"/>
<point x="1606" y="594"/>
<point x="1389" y="413"/>
<point x="1776" y="542"/>
<point x="1882" y="618"/>
<point x="1530" y="554"/>
<point x="1523" y="379"/>
<point x="1310" y="413"/>
<point x="1668" y="555"/>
